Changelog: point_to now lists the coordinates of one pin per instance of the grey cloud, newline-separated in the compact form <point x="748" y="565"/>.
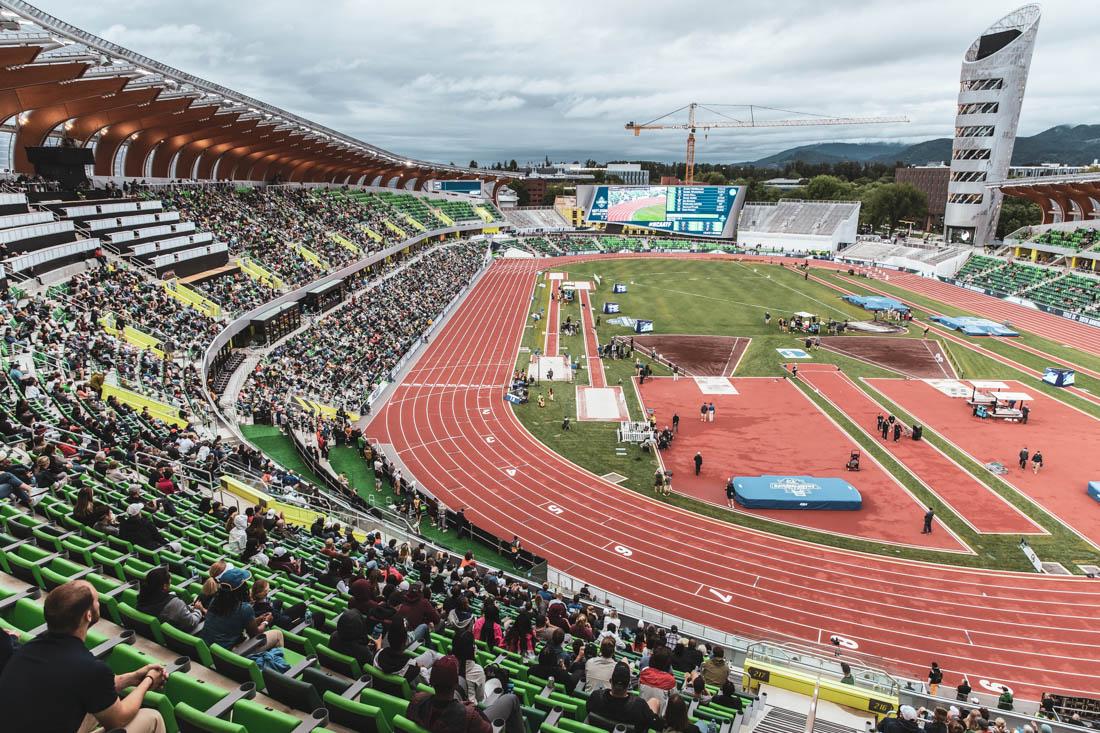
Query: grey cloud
<point x="499" y="79"/>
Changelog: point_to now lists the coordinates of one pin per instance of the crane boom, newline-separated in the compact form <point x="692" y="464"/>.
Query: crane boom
<point x="692" y="125"/>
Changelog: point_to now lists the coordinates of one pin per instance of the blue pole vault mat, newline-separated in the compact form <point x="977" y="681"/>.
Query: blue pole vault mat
<point x="1093" y="490"/>
<point x="796" y="492"/>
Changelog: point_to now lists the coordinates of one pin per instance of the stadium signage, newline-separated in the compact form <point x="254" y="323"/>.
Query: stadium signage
<point x="795" y="486"/>
<point x="760" y="675"/>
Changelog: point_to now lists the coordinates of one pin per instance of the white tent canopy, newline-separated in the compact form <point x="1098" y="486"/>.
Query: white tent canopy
<point x="1012" y="396"/>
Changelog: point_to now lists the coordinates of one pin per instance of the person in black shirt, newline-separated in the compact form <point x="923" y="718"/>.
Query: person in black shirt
<point x="618" y="705"/>
<point x="928" y="517"/>
<point x="139" y="529"/>
<point x="962" y="692"/>
<point x="55" y="684"/>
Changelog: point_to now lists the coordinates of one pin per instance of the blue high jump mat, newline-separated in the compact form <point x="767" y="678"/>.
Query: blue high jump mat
<point x="972" y="326"/>
<point x="1093" y="490"/>
<point x="877" y="303"/>
<point x="796" y="492"/>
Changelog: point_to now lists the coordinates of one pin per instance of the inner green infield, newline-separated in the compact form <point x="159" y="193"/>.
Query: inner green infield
<point x="731" y="298"/>
<point x="654" y="212"/>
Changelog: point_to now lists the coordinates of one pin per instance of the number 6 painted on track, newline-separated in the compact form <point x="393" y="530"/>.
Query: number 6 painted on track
<point x="490" y="439"/>
<point x="624" y="551"/>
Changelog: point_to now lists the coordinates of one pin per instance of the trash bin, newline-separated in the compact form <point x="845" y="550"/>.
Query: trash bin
<point x="918" y="429"/>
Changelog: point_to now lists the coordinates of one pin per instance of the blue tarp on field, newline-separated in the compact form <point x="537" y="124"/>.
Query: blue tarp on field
<point x="973" y="326"/>
<point x="796" y="492"/>
<point x="877" y="303"/>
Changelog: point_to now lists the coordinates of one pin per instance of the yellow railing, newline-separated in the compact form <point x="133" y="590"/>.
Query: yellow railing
<point x="320" y="408"/>
<point x="370" y="232"/>
<point x="132" y="336"/>
<point x="483" y="213"/>
<point x="254" y="271"/>
<point x="396" y="229"/>
<point x="344" y="242"/>
<point x="416" y="225"/>
<point x="193" y="298"/>
<point x="157" y="410"/>
<point x="442" y="216"/>
<point x="309" y="255"/>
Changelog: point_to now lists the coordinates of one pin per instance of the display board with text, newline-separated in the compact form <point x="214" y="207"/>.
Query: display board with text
<point x="701" y="211"/>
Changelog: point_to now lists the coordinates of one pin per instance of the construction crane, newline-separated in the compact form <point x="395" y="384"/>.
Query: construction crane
<point x="692" y="125"/>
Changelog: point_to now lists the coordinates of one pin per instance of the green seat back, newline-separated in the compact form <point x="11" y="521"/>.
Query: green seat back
<point x="344" y="664"/>
<point x="183" y="643"/>
<point x="355" y="715"/>
<point x="236" y="667"/>
<point x="192" y="720"/>
<point x="257" y="718"/>
<point x="401" y="723"/>
<point x="390" y="706"/>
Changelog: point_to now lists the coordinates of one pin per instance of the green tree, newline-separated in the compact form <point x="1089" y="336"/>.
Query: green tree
<point x="513" y="165"/>
<point x="828" y="188"/>
<point x="889" y="203"/>
<point x="1015" y="213"/>
<point x="714" y="178"/>
<point x="473" y="164"/>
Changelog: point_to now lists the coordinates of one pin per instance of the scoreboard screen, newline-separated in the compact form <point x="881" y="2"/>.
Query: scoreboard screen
<point x="471" y="188"/>
<point x="708" y="211"/>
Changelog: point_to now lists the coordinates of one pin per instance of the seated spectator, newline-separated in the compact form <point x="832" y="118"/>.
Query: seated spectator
<point x="282" y="616"/>
<point x="694" y="688"/>
<point x="715" y="670"/>
<point x="520" y="637"/>
<point x="728" y="697"/>
<point x="391" y="658"/>
<point x="283" y="560"/>
<point x="685" y="657"/>
<point x="486" y="627"/>
<point x="238" y="536"/>
<point x="619" y="706"/>
<point x="55" y="684"/>
<point x="459" y="617"/>
<point x="352" y="637"/>
<point x="441" y="712"/>
<point x="656" y="680"/>
<point x="137" y="528"/>
<point x="11" y="485"/>
<point x="471" y="674"/>
<point x="597" y="670"/>
<point x="677" y="720"/>
<point x="419" y="613"/>
<point x="91" y="513"/>
<point x="231" y="617"/>
<point x="156" y="598"/>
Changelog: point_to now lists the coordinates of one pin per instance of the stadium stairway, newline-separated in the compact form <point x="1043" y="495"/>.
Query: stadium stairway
<point x="779" y="720"/>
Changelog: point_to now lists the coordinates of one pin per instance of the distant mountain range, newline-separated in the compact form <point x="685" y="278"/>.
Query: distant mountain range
<point x="1069" y="144"/>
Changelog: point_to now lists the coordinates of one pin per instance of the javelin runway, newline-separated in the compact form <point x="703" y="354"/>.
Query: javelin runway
<point x="465" y="444"/>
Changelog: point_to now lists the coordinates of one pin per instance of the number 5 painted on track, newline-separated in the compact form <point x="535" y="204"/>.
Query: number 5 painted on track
<point x="624" y="551"/>
<point x="554" y="509"/>
<point x="485" y="411"/>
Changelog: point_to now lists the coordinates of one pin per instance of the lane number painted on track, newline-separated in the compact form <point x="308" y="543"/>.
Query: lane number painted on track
<point x="997" y="687"/>
<point x="723" y="597"/>
<point x="624" y="551"/>
<point x="490" y="439"/>
<point x="510" y="471"/>
<point x="554" y="509"/>
<point x="845" y="642"/>
<point x="485" y="411"/>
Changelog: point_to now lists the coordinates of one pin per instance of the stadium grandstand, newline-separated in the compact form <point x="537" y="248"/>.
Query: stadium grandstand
<point x="820" y="226"/>
<point x="280" y="448"/>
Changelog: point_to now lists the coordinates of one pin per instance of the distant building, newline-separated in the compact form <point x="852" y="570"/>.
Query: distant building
<point x="932" y="180"/>
<point x="785" y="184"/>
<point x="631" y="174"/>
<point x="536" y="190"/>
<point x="991" y="91"/>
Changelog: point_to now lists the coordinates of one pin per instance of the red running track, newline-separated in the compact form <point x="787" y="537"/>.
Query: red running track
<point x="553" y="320"/>
<point x="1063" y="330"/>
<point x="465" y="444"/>
<point x="761" y="431"/>
<point x="1067" y="438"/>
<point x="978" y="505"/>
<point x="596" y="376"/>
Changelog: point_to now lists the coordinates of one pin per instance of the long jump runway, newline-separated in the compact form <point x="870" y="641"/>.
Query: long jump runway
<point x="1029" y="631"/>
<point x="1067" y="438"/>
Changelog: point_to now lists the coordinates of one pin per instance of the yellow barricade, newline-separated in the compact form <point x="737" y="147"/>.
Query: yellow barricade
<point x="193" y="298"/>
<point x="758" y="673"/>
<point x="157" y="409"/>
<point x="396" y="229"/>
<point x="344" y="242"/>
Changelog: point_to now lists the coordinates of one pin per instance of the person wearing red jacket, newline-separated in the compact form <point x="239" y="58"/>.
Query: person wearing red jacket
<point x="419" y="613"/>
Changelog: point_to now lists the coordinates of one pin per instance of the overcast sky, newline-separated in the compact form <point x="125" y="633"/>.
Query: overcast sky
<point x="492" y="80"/>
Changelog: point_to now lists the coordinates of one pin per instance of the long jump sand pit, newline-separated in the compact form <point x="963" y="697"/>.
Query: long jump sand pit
<point x="769" y="427"/>
<point x="909" y="356"/>
<point x="696" y="356"/>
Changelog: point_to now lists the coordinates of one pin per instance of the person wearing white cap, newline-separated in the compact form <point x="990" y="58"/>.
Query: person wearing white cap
<point x="905" y="722"/>
<point x="135" y="527"/>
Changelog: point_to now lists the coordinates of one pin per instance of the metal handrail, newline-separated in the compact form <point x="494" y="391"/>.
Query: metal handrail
<point x="813" y="661"/>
